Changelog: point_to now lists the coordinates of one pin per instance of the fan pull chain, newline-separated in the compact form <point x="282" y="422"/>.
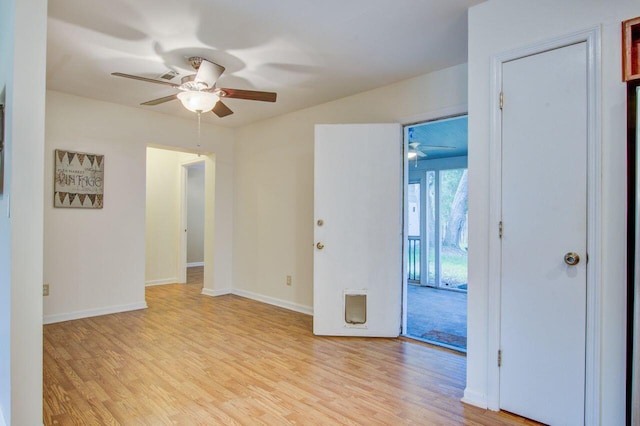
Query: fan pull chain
<point x="199" y="114"/>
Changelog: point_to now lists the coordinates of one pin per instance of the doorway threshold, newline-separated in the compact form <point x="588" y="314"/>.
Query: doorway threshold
<point x="434" y="343"/>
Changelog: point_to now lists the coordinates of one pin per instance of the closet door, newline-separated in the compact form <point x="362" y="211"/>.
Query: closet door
<point x="544" y="240"/>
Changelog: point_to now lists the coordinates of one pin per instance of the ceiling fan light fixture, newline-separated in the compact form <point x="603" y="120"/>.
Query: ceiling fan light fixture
<point x="411" y="154"/>
<point x="198" y="101"/>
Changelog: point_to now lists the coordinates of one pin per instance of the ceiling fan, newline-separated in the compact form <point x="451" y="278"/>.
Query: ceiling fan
<point x="198" y="92"/>
<point x="415" y="151"/>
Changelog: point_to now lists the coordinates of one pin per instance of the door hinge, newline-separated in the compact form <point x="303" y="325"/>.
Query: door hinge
<point x="500" y="229"/>
<point x="501" y="100"/>
<point x="499" y="358"/>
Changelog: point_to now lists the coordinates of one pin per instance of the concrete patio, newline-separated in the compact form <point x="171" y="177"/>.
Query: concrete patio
<point x="437" y="316"/>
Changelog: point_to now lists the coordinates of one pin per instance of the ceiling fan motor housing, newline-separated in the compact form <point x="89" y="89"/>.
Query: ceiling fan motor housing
<point x="195" y="62"/>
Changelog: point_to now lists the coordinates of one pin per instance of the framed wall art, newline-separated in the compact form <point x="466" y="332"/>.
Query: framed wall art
<point x="78" y="180"/>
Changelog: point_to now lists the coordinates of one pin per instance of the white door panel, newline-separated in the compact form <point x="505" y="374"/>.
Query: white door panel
<point x="358" y="197"/>
<point x="544" y="205"/>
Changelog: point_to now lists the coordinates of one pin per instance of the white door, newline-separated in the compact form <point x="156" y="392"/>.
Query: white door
<point x="357" y="277"/>
<point x="544" y="206"/>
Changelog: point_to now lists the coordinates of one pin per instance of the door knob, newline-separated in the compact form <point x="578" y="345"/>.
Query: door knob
<point x="320" y="246"/>
<point x="571" y="258"/>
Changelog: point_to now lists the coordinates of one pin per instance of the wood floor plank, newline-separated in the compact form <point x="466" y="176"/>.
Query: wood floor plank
<point x="192" y="359"/>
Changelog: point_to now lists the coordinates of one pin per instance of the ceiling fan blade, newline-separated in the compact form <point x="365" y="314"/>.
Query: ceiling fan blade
<point x="161" y="100"/>
<point x="149" y="80"/>
<point x="250" y="95"/>
<point x="221" y="110"/>
<point x="420" y="154"/>
<point x="437" y="147"/>
<point x="208" y="72"/>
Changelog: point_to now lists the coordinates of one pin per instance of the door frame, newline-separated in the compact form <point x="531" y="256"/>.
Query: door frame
<point x="422" y="238"/>
<point x="451" y="111"/>
<point x="437" y="165"/>
<point x="184" y="170"/>
<point x="592" y="37"/>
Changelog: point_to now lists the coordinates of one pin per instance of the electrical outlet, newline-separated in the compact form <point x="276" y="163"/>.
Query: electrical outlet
<point x="288" y="279"/>
<point x="45" y="289"/>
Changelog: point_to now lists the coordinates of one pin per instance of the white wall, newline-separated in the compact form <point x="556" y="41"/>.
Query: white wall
<point x="502" y="25"/>
<point x="195" y="215"/>
<point x="6" y="84"/>
<point x="95" y="259"/>
<point x="22" y="87"/>
<point x="273" y="228"/>
<point x="163" y="221"/>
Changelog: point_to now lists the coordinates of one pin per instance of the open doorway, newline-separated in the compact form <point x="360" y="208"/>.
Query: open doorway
<point x="179" y="184"/>
<point x="194" y="215"/>
<point x="437" y="194"/>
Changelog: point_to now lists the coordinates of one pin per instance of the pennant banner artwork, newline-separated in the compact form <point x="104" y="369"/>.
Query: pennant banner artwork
<point x="78" y="180"/>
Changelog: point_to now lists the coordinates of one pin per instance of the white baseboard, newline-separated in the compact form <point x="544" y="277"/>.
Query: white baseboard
<point x="162" y="282"/>
<point x="474" y="398"/>
<point x="261" y="298"/>
<point x="276" y="302"/>
<point x="191" y="264"/>
<point x="214" y="293"/>
<point x="50" y="319"/>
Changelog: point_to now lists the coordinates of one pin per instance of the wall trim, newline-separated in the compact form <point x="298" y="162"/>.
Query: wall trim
<point x="274" y="301"/>
<point x="592" y="37"/>
<point x="296" y="307"/>
<point x="434" y="115"/>
<point x="192" y="264"/>
<point x="475" y="398"/>
<point x="51" y="319"/>
<point x="163" y="281"/>
<point x="215" y="293"/>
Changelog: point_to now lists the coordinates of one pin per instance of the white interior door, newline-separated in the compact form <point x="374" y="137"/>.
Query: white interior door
<point x="544" y="215"/>
<point x="357" y="277"/>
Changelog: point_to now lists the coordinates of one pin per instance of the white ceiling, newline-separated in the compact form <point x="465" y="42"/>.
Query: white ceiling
<point x="308" y="51"/>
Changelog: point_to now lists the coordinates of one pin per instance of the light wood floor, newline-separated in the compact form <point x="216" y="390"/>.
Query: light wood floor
<point x="196" y="360"/>
<point x="195" y="275"/>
